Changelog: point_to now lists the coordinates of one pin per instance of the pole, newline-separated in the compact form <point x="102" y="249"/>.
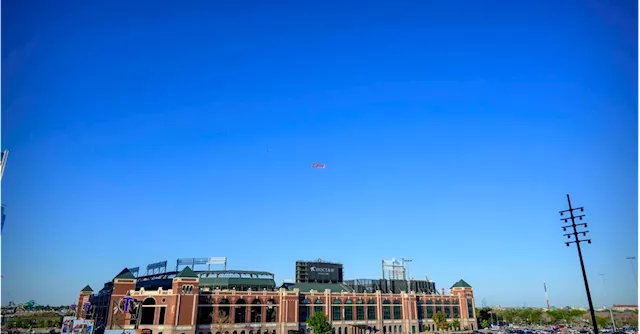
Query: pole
<point x="577" y="241"/>
<point x="604" y="292"/>
<point x="410" y="329"/>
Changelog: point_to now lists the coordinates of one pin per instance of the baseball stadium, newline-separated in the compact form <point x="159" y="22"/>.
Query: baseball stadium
<point x="193" y="298"/>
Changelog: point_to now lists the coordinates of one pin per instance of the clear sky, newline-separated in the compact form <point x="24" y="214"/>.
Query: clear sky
<point x="451" y="133"/>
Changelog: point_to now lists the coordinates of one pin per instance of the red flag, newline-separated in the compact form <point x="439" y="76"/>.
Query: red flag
<point x="316" y="165"/>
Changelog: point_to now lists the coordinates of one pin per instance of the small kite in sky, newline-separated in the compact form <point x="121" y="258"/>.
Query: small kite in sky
<point x="317" y="165"/>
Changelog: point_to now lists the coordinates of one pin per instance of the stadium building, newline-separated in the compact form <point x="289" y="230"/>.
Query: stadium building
<point x="188" y="301"/>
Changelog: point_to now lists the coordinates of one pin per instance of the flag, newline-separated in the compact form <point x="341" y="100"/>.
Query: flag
<point x="3" y="161"/>
<point x="317" y="165"/>
<point x="2" y="217"/>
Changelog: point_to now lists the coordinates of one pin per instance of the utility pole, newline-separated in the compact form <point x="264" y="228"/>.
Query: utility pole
<point x="577" y="241"/>
<point x="410" y="329"/>
<point x="604" y="292"/>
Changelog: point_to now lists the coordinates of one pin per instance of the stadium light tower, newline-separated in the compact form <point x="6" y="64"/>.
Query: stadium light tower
<point x="410" y="330"/>
<point x="577" y="241"/>
<point x="633" y="267"/>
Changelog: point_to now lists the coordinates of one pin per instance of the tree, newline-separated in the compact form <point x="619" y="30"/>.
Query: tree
<point x="222" y="321"/>
<point x="603" y="322"/>
<point x="455" y="324"/>
<point x="319" y="323"/>
<point x="485" y="323"/>
<point x="545" y="318"/>
<point x="440" y="320"/>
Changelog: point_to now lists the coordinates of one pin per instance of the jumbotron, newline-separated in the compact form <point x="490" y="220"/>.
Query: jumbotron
<point x="195" y="299"/>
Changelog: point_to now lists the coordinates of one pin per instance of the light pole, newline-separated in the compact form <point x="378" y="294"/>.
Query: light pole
<point x="604" y="292"/>
<point x="633" y="267"/>
<point x="410" y="330"/>
<point x="577" y="241"/>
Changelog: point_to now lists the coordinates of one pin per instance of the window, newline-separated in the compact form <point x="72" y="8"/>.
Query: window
<point x="305" y="309"/>
<point x="447" y="309"/>
<point x="429" y="312"/>
<point x="337" y="305"/>
<point x="456" y="311"/>
<point x="348" y="310"/>
<point x="397" y="310"/>
<point x="371" y="310"/>
<point x="420" y="309"/>
<point x="360" y="309"/>
<point x="187" y="289"/>
<point x="470" y="308"/>
<point x="317" y="306"/>
<point x="386" y="309"/>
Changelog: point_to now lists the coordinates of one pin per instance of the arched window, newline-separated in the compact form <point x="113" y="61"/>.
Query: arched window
<point x="337" y="312"/>
<point x="371" y="310"/>
<point x="348" y="310"/>
<point x="386" y="310"/>
<point x="305" y="310"/>
<point x="256" y="311"/>
<point x="447" y="309"/>
<point x="420" y="305"/>
<point x="360" y="309"/>
<point x="148" y="311"/>
<point x="397" y="310"/>
<point x="317" y="306"/>
<point x="224" y="310"/>
<point x="272" y="310"/>
<point x="430" y="309"/>
<point x="240" y="312"/>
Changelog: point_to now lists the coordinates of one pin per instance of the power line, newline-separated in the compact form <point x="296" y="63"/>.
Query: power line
<point x="577" y="241"/>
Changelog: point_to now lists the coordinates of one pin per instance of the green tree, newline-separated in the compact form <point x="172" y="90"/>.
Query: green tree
<point x="485" y="323"/>
<point x="603" y="322"/>
<point x="319" y="323"/>
<point x="440" y="320"/>
<point x="456" y="324"/>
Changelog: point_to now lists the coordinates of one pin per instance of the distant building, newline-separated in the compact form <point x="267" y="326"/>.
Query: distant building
<point x="624" y="307"/>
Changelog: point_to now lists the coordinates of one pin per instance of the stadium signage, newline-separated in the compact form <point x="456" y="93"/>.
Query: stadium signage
<point x="125" y="304"/>
<point x="324" y="272"/>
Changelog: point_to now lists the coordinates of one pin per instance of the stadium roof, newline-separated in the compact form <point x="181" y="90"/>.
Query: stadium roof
<point x="187" y="273"/>
<point x="125" y="274"/>
<point x="461" y="284"/>
<point x="234" y="281"/>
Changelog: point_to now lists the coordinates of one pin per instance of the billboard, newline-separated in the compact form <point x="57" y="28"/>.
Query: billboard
<point x="324" y="272"/>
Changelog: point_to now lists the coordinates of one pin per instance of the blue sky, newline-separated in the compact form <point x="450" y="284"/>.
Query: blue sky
<point x="451" y="131"/>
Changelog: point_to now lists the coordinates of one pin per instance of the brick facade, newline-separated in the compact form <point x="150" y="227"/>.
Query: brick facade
<point x="184" y="309"/>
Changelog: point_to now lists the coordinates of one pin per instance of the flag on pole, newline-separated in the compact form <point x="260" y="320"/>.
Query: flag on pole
<point x="2" y="217"/>
<point x="3" y="161"/>
<point x="317" y="165"/>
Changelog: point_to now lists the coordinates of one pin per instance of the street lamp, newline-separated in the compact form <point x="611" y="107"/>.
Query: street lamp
<point x="604" y="289"/>
<point x="633" y="267"/>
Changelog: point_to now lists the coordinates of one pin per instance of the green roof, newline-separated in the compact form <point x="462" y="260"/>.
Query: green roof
<point x="187" y="273"/>
<point x="320" y="287"/>
<point x="225" y="282"/>
<point x="125" y="274"/>
<point x="461" y="284"/>
<point x="87" y="289"/>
